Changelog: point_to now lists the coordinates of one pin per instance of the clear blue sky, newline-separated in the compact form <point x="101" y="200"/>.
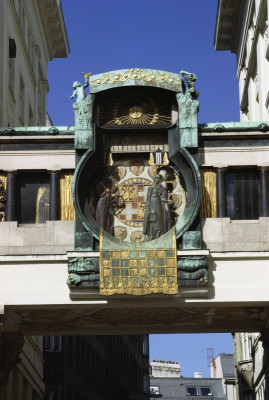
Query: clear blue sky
<point x="190" y="350"/>
<point x="170" y="35"/>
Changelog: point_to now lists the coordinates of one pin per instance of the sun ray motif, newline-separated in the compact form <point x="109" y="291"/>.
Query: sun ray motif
<point x="137" y="108"/>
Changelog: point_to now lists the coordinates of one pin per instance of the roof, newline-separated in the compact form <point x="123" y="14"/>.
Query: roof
<point x="176" y="388"/>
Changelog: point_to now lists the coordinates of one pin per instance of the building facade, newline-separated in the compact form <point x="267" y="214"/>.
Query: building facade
<point x="96" y="367"/>
<point x="32" y="34"/>
<point x="223" y="367"/>
<point x="242" y="28"/>
<point x="182" y="388"/>
<point x="164" y="369"/>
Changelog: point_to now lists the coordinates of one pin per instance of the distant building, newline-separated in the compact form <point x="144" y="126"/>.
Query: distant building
<point x="167" y="383"/>
<point x="223" y="367"/>
<point x="165" y="369"/>
<point x="183" y="388"/>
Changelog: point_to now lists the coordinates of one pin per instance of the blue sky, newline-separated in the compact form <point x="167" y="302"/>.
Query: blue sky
<point x="169" y="35"/>
<point x="190" y="350"/>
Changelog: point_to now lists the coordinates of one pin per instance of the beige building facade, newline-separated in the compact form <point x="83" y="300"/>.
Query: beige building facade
<point x="242" y="28"/>
<point x="32" y="33"/>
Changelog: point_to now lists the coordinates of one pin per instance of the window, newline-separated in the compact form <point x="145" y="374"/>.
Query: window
<point x="242" y="193"/>
<point x="33" y="198"/>
<point x="145" y="345"/>
<point x="31" y="117"/>
<point x="154" y="390"/>
<point x="53" y="392"/>
<point x="206" y="391"/>
<point x="22" y="101"/>
<point x="53" y="343"/>
<point x="12" y="48"/>
<point x="52" y="396"/>
<point x="11" y="75"/>
<point x="192" y="391"/>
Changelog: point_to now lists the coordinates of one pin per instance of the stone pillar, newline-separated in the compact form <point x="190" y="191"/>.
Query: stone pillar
<point x="54" y="196"/>
<point x="221" y="194"/>
<point x="264" y="191"/>
<point x="11" y="344"/>
<point x="11" y="196"/>
<point x="264" y="338"/>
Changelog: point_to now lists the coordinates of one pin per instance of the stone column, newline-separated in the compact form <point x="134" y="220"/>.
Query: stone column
<point x="221" y="194"/>
<point x="264" y="191"/>
<point x="54" y="196"/>
<point x="264" y="338"/>
<point x="11" y="196"/>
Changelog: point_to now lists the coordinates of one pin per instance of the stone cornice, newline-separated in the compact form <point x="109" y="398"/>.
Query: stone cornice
<point x="228" y="24"/>
<point x="51" y="15"/>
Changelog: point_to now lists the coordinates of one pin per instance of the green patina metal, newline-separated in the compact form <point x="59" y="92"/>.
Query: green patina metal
<point x="193" y="271"/>
<point x="135" y="77"/>
<point x="83" y="271"/>
<point x="38" y="131"/>
<point x="182" y="159"/>
<point x="192" y="240"/>
<point x="182" y="136"/>
<point x="177" y="153"/>
<point x="222" y="127"/>
<point x="83" y="241"/>
<point x="83" y="108"/>
<point x="187" y="112"/>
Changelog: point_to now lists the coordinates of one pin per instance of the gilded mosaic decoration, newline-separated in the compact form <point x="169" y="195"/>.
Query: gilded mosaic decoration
<point x="140" y="270"/>
<point x="127" y="202"/>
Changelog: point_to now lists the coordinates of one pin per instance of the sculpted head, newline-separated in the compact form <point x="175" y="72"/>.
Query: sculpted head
<point x="76" y="84"/>
<point x="163" y="174"/>
<point x="158" y="178"/>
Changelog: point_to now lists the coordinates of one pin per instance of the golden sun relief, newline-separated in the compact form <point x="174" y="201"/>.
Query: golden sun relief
<point x="135" y="108"/>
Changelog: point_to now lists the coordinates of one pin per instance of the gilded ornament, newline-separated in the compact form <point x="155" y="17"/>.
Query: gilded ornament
<point x="159" y="77"/>
<point x="139" y="272"/>
<point x="135" y="108"/>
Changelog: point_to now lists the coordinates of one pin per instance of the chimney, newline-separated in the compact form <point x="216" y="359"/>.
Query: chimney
<point x="197" y="374"/>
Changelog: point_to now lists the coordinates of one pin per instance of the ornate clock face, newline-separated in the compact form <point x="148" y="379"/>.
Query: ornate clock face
<point x="120" y="198"/>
